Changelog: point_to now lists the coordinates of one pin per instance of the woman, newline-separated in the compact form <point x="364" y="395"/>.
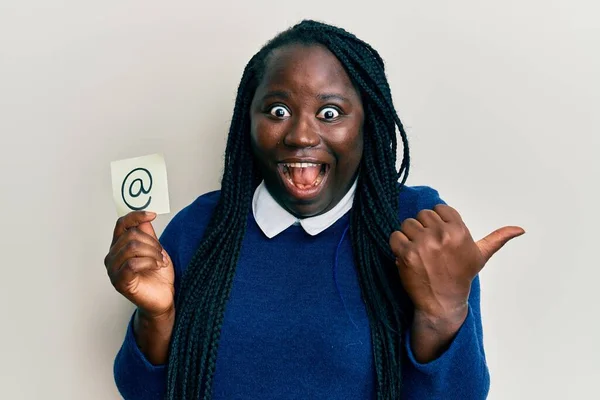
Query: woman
<point x="314" y="273"/>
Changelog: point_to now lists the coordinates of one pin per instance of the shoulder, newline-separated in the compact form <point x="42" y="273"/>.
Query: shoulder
<point x="197" y="213"/>
<point x="185" y="230"/>
<point x="187" y="227"/>
<point x="200" y="209"/>
<point x="413" y="199"/>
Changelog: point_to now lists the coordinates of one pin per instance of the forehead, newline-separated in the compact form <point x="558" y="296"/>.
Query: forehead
<point x="308" y="67"/>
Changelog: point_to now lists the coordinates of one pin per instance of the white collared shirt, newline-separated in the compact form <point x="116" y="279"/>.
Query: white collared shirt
<point x="273" y="219"/>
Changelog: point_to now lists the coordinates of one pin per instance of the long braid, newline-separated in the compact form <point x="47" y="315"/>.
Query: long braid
<point x="207" y="282"/>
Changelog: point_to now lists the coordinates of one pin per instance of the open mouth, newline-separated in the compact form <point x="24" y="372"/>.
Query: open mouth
<point x="304" y="178"/>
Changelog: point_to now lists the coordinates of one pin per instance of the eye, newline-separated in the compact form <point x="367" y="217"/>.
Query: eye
<point x="279" y="112"/>
<point x="328" y="113"/>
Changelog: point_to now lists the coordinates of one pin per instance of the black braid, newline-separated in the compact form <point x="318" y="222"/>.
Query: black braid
<point x="206" y="284"/>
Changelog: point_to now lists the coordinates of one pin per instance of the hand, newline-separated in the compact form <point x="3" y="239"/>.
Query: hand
<point x="139" y="268"/>
<point x="437" y="260"/>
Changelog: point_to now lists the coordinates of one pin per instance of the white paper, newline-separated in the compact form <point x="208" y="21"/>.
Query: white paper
<point x="140" y="184"/>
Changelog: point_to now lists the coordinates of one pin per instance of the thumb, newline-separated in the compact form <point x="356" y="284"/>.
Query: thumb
<point x="147" y="228"/>
<point x="493" y="242"/>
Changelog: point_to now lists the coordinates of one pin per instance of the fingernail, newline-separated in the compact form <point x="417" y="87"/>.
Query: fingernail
<point x="150" y="214"/>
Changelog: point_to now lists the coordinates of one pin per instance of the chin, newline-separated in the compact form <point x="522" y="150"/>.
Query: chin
<point x="302" y="209"/>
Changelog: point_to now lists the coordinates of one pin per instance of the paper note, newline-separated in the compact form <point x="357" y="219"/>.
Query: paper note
<point x="140" y="184"/>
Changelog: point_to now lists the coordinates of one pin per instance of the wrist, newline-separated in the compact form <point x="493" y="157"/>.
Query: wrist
<point x="448" y="319"/>
<point x="166" y="317"/>
<point x="152" y="333"/>
<point x="432" y="333"/>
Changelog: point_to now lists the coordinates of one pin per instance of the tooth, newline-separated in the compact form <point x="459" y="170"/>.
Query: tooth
<point x="301" y="165"/>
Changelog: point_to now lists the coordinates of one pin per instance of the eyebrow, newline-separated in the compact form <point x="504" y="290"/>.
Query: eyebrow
<point x="332" y="96"/>
<point x="323" y="97"/>
<point x="277" y="93"/>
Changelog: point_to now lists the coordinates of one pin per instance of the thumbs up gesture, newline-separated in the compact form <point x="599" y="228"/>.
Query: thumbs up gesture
<point x="437" y="259"/>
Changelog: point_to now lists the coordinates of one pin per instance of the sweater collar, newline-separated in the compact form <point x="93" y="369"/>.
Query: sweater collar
<point x="273" y="219"/>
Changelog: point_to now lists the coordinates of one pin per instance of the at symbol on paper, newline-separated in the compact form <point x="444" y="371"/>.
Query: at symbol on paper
<point x="136" y="188"/>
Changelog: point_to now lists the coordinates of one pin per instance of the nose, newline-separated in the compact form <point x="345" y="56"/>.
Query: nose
<point x="302" y="133"/>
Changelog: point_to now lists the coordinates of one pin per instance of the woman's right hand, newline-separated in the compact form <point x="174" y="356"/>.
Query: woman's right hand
<point x="138" y="266"/>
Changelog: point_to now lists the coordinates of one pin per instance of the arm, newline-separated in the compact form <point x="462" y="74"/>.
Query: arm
<point x="135" y="375"/>
<point x="430" y="336"/>
<point x="140" y="365"/>
<point x="439" y="264"/>
<point x="153" y="335"/>
<point x="140" y="368"/>
<point x="458" y="370"/>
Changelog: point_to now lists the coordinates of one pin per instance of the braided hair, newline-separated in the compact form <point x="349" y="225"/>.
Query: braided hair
<point x="207" y="282"/>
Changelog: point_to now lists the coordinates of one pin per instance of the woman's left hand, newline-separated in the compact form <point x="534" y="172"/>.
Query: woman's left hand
<point x="437" y="260"/>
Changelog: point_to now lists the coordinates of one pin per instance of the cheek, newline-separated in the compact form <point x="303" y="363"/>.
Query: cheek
<point x="358" y="146"/>
<point x="349" y="147"/>
<point x="263" y="135"/>
<point x="356" y="153"/>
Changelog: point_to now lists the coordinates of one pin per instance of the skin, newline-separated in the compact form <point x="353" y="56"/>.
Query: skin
<point x="142" y="271"/>
<point x="437" y="260"/>
<point x="307" y="84"/>
<point x="291" y="120"/>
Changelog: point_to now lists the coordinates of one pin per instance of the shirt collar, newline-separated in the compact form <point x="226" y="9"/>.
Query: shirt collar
<point x="273" y="219"/>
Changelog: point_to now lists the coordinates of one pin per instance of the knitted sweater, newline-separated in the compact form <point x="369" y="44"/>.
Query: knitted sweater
<point x="295" y="325"/>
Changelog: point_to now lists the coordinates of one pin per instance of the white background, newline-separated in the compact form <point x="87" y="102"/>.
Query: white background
<point x="500" y="100"/>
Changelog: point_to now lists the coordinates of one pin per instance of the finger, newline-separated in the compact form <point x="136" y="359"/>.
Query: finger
<point x="429" y="218"/>
<point x="493" y="242"/>
<point x="136" y="249"/>
<point x="138" y="235"/>
<point x="127" y="271"/>
<point x="166" y="257"/>
<point x="131" y="220"/>
<point x="398" y="243"/>
<point x="447" y="213"/>
<point x="412" y="228"/>
<point x="148" y="229"/>
<point x="132" y="234"/>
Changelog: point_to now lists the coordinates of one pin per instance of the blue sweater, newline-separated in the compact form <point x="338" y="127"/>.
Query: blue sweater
<point x="295" y="326"/>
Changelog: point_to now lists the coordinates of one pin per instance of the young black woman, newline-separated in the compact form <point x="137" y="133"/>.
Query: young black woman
<point x="314" y="272"/>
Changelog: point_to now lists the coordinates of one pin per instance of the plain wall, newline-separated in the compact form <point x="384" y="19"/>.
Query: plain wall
<point x="500" y="100"/>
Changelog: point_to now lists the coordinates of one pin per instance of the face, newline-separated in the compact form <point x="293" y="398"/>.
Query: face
<point x="306" y="129"/>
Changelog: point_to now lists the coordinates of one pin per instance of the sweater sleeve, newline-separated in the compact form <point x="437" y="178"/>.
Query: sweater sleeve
<point x="461" y="371"/>
<point x="135" y="376"/>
